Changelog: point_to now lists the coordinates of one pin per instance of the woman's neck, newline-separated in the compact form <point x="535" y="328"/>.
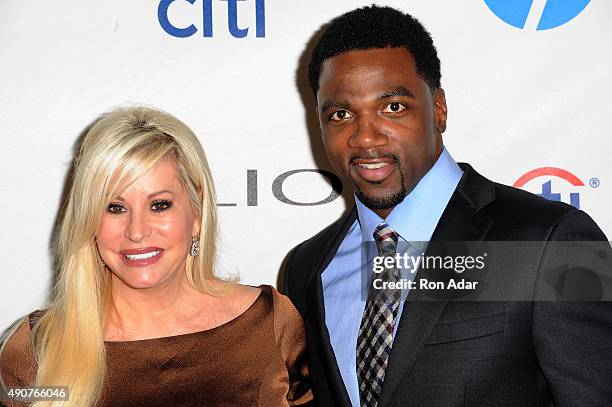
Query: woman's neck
<point x="139" y="313"/>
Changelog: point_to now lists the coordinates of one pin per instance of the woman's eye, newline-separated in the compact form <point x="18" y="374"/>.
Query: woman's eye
<point x="394" y="107"/>
<point x="161" y="205"/>
<point x="115" y="208"/>
<point x="340" y="115"/>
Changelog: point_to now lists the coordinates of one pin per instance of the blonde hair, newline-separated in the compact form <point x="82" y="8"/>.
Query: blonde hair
<point x="121" y="146"/>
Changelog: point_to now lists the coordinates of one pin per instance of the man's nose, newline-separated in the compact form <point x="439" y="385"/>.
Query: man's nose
<point x="368" y="134"/>
<point x="138" y="227"/>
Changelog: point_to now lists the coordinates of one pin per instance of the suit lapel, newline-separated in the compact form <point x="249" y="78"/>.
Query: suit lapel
<point x="459" y="222"/>
<point x="316" y="311"/>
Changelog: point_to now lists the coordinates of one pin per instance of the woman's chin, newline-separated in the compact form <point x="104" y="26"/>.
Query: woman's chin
<point x="141" y="280"/>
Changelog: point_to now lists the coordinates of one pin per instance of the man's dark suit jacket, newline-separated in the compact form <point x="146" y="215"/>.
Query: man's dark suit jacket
<point x="449" y="353"/>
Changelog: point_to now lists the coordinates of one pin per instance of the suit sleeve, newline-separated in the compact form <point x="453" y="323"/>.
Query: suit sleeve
<point x="573" y="339"/>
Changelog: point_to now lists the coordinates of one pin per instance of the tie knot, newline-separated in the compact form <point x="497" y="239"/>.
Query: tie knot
<point x="385" y="237"/>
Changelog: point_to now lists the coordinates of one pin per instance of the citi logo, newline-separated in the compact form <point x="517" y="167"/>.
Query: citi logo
<point x="566" y="184"/>
<point x="538" y="14"/>
<point x="205" y="24"/>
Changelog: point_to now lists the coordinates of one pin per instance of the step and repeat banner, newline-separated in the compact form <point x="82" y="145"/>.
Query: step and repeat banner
<point x="527" y="85"/>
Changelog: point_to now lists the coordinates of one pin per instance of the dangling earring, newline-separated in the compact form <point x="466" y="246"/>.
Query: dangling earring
<point x="195" y="245"/>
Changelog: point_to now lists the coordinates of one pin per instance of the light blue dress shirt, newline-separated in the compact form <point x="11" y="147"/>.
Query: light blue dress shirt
<point x="414" y="219"/>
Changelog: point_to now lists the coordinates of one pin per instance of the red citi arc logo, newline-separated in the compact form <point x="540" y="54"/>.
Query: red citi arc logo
<point x="547" y="188"/>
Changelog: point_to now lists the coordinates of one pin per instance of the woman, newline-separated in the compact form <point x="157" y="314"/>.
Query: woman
<point x="137" y="316"/>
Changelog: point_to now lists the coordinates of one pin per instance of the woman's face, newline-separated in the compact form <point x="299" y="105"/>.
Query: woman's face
<point x="146" y="233"/>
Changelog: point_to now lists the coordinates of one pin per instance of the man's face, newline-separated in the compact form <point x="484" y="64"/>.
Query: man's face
<point x="380" y="123"/>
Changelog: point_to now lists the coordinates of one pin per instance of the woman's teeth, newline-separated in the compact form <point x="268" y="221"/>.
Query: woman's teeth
<point x="142" y="256"/>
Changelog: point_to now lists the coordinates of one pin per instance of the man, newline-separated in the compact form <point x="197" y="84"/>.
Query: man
<point x="376" y="78"/>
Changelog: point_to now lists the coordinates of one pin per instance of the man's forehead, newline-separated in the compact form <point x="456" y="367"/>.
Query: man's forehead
<point x="350" y="77"/>
<point x="375" y="65"/>
<point x="371" y="56"/>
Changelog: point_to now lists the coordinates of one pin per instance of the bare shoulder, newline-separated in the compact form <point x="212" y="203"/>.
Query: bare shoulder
<point x="244" y="296"/>
<point x="233" y="298"/>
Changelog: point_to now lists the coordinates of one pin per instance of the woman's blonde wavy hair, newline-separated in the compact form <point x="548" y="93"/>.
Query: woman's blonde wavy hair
<point x="121" y="146"/>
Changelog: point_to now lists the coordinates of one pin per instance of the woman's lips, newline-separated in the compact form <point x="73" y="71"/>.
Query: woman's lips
<point x="374" y="171"/>
<point x="141" y="257"/>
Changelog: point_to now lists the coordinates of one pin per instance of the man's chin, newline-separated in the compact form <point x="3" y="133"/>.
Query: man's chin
<point x="386" y="201"/>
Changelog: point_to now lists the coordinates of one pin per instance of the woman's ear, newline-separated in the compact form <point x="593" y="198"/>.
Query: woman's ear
<point x="197" y="220"/>
<point x="195" y="231"/>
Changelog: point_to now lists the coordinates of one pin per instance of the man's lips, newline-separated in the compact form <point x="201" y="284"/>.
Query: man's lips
<point x="140" y="257"/>
<point x="373" y="170"/>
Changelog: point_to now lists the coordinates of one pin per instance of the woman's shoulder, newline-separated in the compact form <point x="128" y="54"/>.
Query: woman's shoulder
<point x="239" y="298"/>
<point x="17" y="360"/>
<point x="17" y="341"/>
<point x="262" y="301"/>
<point x="288" y="323"/>
<point x="244" y="297"/>
<point x="246" y="294"/>
<point x="282" y="304"/>
<point x="291" y="343"/>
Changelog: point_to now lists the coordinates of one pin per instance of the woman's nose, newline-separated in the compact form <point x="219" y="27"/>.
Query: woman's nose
<point x="138" y="227"/>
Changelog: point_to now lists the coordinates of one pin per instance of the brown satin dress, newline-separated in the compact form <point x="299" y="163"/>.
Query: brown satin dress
<point x="256" y="359"/>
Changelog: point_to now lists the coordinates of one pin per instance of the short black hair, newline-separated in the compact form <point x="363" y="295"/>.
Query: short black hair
<point x="376" y="27"/>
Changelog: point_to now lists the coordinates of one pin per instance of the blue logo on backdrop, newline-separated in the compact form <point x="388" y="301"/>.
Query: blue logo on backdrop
<point x="207" y="19"/>
<point x="555" y="13"/>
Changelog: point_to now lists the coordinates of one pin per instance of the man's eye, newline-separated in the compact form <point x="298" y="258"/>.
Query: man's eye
<point x="394" y="107"/>
<point x="161" y="205"/>
<point x="340" y="115"/>
<point x="115" y="208"/>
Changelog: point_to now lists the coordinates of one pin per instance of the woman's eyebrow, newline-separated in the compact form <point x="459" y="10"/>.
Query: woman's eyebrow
<point x="164" y="191"/>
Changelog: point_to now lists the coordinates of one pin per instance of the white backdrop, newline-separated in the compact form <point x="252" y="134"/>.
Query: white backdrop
<point x="519" y="99"/>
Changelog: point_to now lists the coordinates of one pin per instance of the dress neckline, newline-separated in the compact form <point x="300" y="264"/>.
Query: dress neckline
<point x="188" y="335"/>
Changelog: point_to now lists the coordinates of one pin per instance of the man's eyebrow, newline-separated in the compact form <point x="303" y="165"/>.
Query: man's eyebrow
<point x="120" y="198"/>
<point x="329" y="103"/>
<point x="342" y="104"/>
<point x="399" y="91"/>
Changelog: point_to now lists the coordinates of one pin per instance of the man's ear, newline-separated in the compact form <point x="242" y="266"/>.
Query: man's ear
<point x="440" y="110"/>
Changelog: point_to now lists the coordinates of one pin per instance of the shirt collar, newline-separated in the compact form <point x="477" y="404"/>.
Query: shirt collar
<point x="416" y="217"/>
